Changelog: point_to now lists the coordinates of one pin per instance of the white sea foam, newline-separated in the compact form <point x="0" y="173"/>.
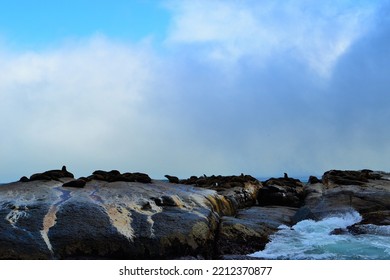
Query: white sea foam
<point x="312" y="240"/>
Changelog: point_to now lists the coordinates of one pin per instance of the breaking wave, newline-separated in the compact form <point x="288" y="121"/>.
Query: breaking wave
<point x="310" y="239"/>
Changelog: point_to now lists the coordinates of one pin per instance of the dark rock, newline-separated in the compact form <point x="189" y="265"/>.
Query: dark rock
<point x="20" y="227"/>
<point x="356" y="230"/>
<point x="172" y="179"/>
<point x="193" y="235"/>
<point x="372" y="223"/>
<point x="303" y="213"/>
<point x="376" y="218"/>
<point x="365" y="191"/>
<point x="107" y="220"/>
<point x="250" y="230"/>
<point x="284" y="191"/>
<point x="87" y="235"/>
<point x="314" y="180"/>
<point x="368" y="195"/>
<point x="339" y="231"/>
<point x="79" y="183"/>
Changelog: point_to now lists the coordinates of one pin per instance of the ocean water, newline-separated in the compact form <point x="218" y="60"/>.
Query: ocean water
<point x="310" y="239"/>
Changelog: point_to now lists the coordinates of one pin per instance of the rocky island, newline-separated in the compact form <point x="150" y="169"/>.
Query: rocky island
<point x="114" y="215"/>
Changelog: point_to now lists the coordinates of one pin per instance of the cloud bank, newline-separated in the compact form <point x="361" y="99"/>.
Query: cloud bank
<point x="260" y="87"/>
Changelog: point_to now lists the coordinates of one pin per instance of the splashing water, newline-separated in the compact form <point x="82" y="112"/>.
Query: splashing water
<point x="310" y="239"/>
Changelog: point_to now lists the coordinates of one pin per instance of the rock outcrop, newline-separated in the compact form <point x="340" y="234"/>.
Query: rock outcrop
<point x="114" y="215"/>
<point x="365" y="191"/>
<point x="349" y="177"/>
<point x="115" y="220"/>
<point x="250" y="229"/>
<point x="282" y="191"/>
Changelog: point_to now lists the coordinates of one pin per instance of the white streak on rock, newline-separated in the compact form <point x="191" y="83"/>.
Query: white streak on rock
<point x="50" y="218"/>
<point x="121" y="219"/>
<point x="15" y="215"/>
<point x="151" y="222"/>
<point x="49" y="221"/>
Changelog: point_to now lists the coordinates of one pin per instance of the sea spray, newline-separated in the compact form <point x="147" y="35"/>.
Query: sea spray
<point x="310" y="239"/>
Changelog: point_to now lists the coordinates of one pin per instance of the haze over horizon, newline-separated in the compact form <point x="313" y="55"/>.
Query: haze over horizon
<point x="194" y="87"/>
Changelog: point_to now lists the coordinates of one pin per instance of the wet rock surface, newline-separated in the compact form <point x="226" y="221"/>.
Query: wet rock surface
<point x="250" y="229"/>
<point x="370" y="193"/>
<point x="365" y="191"/>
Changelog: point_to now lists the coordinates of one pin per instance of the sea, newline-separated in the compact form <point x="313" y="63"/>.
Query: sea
<point x="311" y="240"/>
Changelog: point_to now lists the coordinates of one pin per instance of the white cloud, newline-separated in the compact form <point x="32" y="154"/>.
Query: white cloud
<point x="316" y="32"/>
<point x="69" y="101"/>
<point x="96" y="103"/>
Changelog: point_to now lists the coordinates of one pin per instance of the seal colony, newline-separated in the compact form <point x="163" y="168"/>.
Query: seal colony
<point x="108" y="176"/>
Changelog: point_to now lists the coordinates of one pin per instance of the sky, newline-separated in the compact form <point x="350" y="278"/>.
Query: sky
<point x="193" y="87"/>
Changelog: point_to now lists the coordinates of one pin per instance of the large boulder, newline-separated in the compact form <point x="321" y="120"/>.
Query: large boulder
<point x="250" y="229"/>
<point x="283" y="191"/>
<point x="108" y="220"/>
<point x="335" y="178"/>
<point x="365" y="191"/>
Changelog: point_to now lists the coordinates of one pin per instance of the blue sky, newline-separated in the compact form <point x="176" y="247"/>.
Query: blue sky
<point x="194" y="87"/>
<point x="36" y="24"/>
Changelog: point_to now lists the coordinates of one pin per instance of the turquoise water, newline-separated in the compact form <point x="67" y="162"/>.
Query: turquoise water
<point x="311" y="240"/>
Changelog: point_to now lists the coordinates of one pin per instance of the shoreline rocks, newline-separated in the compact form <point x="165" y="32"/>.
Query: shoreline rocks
<point x="114" y="215"/>
<point x="365" y="191"/>
<point x="250" y="229"/>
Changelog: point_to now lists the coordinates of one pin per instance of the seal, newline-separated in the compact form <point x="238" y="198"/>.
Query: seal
<point x="172" y="179"/>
